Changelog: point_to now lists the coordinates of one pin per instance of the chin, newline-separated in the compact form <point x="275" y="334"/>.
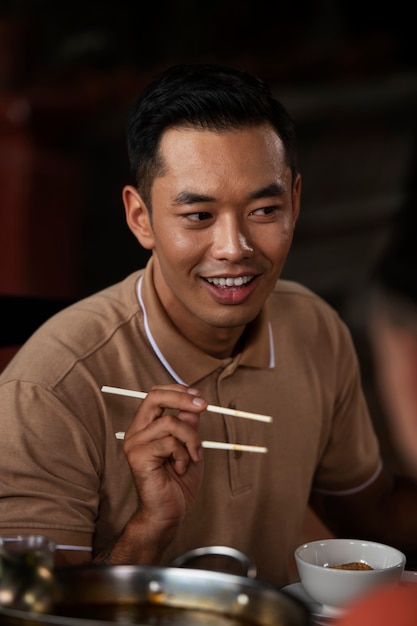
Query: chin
<point x="234" y="321"/>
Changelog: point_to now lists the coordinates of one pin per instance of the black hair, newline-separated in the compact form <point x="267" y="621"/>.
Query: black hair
<point x="206" y="96"/>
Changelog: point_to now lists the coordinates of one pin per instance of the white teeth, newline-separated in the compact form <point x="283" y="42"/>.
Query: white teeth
<point x="229" y="282"/>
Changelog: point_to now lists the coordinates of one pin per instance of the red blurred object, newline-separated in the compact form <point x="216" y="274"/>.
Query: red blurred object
<point x="386" y="606"/>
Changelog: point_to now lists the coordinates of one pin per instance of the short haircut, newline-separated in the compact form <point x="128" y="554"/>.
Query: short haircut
<point x="203" y="96"/>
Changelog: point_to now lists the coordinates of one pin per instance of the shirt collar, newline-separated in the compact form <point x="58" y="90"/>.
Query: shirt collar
<point x="184" y="361"/>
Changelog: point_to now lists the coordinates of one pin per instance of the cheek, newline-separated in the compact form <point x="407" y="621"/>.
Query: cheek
<point x="279" y="244"/>
<point x="288" y="235"/>
<point x="286" y="231"/>
<point x="170" y="241"/>
<point x="185" y="246"/>
<point x="178" y="253"/>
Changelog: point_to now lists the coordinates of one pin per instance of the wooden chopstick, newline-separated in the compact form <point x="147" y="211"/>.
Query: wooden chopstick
<point x="211" y="407"/>
<point x="218" y="445"/>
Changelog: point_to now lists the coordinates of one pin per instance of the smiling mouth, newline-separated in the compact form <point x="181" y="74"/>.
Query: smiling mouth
<point x="230" y="282"/>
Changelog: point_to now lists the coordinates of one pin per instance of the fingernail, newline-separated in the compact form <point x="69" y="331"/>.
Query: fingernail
<point x="192" y="391"/>
<point x="198" y="401"/>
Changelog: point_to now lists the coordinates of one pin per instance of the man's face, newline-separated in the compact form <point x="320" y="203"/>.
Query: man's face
<point x="223" y="215"/>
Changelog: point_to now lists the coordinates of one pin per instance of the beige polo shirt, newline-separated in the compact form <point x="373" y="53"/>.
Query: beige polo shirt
<point x="63" y="472"/>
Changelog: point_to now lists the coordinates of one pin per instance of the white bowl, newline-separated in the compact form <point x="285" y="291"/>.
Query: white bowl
<point x="409" y="577"/>
<point x="337" y="587"/>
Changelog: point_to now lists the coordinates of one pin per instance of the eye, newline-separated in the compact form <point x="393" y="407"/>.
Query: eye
<point x="199" y="216"/>
<point x="266" y="210"/>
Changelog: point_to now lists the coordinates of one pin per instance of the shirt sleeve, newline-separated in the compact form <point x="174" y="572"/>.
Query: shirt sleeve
<point x="350" y="452"/>
<point x="49" y="465"/>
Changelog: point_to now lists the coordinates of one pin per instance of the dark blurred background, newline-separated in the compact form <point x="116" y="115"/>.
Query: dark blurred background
<point x="346" y="70"/>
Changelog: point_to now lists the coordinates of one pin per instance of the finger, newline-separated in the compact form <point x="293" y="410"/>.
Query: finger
<point x="172" y="397"/>
<point x="192" y="419"/>
<point x="177" y="397"/>
<point x="178" y="431"/>
<point x="156" y="453"/>
<point x="177" y="387"/>
<point x="179" y="460"/>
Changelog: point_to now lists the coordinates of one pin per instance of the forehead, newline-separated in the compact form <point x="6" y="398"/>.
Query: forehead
<point x="200" y="154"/>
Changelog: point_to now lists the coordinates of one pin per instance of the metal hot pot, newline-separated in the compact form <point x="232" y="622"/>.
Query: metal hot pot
<point x="104" y="595"/>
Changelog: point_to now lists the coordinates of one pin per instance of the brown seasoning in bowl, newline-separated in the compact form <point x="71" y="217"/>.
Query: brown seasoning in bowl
<point x="354" y="565"/>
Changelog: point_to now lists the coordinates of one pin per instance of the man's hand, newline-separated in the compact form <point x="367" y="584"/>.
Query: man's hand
<point x="163" y="449"/>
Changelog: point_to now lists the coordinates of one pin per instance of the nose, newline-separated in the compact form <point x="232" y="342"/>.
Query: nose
<point x="232" y="240"/>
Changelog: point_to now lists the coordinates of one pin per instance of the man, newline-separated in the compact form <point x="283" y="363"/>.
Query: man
<point x="216" y="199"/>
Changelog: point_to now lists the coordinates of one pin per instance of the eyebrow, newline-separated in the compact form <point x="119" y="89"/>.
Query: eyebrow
<point x="190" y="197"/>
<point x="273" y="189"/>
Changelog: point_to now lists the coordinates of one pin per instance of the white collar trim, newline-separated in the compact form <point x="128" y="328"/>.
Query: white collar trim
<point x="161" y="356"/>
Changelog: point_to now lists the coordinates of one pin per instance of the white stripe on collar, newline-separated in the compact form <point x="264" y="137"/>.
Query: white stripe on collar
<point x="152" y="340"/>
<point x="271" y="348"/>
<point x="161" y="356"/>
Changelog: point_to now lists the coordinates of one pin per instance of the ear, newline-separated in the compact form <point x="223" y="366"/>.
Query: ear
<point x="138" y="218"/>
<point x="296" y="197"/>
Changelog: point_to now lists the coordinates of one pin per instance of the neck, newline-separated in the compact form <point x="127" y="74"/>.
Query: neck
<point x="221" y="343"/>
